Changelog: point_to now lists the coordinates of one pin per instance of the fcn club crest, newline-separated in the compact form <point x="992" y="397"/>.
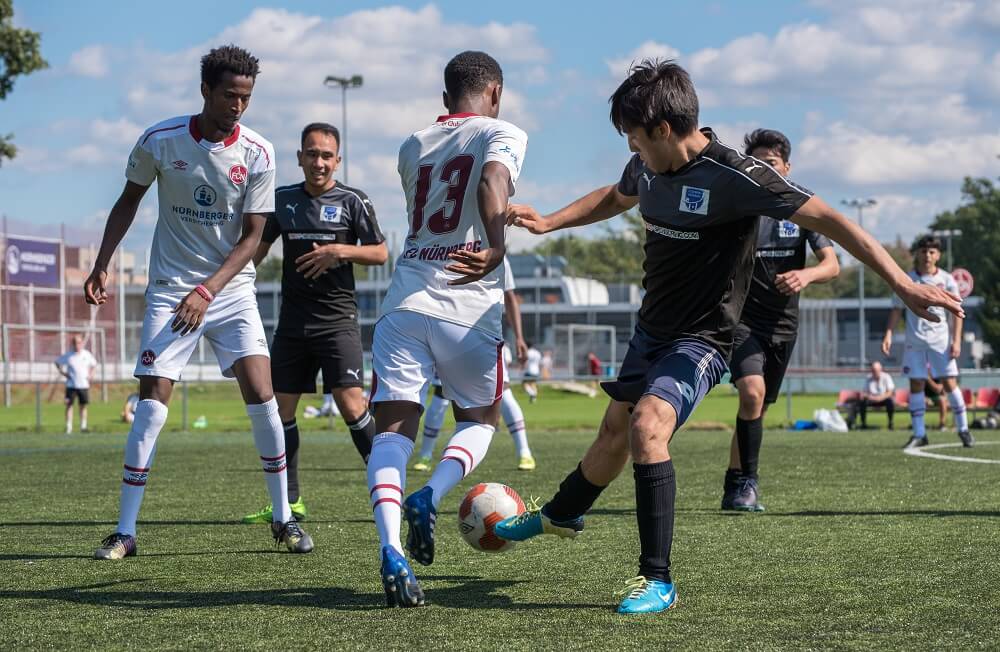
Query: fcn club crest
<point x="238" y="174"/>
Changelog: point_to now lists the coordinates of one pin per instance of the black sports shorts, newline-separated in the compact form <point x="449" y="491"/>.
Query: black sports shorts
<point x="754" y="355"/>
<point x="295" y="361"/>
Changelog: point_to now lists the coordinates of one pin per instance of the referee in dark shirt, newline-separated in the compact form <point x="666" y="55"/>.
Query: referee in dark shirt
<point x="765" y="336"/>
<point x="324" y="227"/>
<point x="699" y="200"/>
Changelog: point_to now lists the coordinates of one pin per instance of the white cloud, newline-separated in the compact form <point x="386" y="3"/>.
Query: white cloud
<point x="619" y="66"/>
<point x="91" y="61"/>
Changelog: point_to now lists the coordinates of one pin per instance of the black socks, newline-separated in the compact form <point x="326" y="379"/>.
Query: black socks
<point x="749" y="435"/>
<point x="655" y="492"/>
<point x="575" y="497"/>
<point x="292" y="458"/>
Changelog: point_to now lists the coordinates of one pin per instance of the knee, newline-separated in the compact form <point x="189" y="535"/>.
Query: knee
<point x="613" y="436"/>
<point x="751" y="397"/>
<point x="651" y="426"/>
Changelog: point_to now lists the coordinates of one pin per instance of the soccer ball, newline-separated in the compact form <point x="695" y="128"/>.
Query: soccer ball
<point x="483" y="507"/>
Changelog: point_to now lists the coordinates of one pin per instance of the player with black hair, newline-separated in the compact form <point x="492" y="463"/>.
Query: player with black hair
<point x="326" y="228"/>
<point x="700" y="200"/>
<point x="765" y="336"/>
<point x="215" y="183"/>
<point x="442" y="313"/>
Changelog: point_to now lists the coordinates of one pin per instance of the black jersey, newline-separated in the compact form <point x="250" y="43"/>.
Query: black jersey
<point x="781" y="247"/>
<point x="701" y="228"/>
<point x="341" y="215"/>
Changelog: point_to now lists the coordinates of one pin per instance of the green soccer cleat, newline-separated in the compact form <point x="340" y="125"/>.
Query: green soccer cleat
<point x="526" y="463"/>
<point x="292" y="535"/>
<point x="423" y="464"/>
<point x="266" y="515"/>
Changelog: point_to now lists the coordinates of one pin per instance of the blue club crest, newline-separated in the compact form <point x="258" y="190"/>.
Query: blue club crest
<point x="694" y="200"/>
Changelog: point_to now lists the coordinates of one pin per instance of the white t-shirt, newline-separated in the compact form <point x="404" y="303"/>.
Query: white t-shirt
<point x="508" y="276"/>
<point x="78" y="366"/>
<point x="440" y="168"/>
<point x="920" y="333"/>
<point x="875" y="387"/>
<point x="204" y="189"/>
<point x="533" y="365"/>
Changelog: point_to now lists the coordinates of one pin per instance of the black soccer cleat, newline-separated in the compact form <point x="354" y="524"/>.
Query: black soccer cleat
<point x="916" y="442"/>
<point x="967" y="440"/>
<point x="730" y="487"/>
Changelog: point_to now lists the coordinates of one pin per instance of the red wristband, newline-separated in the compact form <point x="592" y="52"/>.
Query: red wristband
<point x="204" y="293"/>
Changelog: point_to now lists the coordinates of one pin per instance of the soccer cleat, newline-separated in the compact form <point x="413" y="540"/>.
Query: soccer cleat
<point x="747" y="496"/>
<point x="533" y="522"/>
<point x="421" y="516"/>
<point x="401" y="586"/>
<point x="266" y="515"/>
<point x="292" y="535"/>
<point x="116" y="546"/>
<point x="423" y="464"/>
<point x="526" y="463"/>
<point x="730" y="488"/>
<point x="645" y="596"/>
<point x="916" y="442"/>
<point x="967" y="439"/>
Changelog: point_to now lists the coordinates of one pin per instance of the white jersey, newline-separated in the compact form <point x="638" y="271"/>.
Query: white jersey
<point x="508" y="276"/>
<point x="532" y="365"/>
<point x="440" y="168"/>
<point x="921" y="333"/>
<point x="78" y="365"/>
<point x="204" y="189"/>
<point x="882" y="385"/>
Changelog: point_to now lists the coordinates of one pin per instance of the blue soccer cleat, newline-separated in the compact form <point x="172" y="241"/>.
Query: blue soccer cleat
<point x="421" y="516"/>
<point x="533" y="522"/>
<point x="401" y="586"/>
<point x="644" y="596"/>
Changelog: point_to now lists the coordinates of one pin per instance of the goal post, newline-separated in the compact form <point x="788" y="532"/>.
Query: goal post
<point x="29" y="352"/>
<point x="574" y="341"/>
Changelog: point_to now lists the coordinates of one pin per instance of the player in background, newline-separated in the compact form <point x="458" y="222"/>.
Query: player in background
<point x="325" y="228"/>
<point x="443" y="310"/>
<point x="510" y="409"/>
<point x="769" y="324"/>
<point x="700" y="200"/>
<point x="77" y="366"/>
<point x="930" y="345"/>
<point x="532" y="365"/>
<point x="215" y="184"/>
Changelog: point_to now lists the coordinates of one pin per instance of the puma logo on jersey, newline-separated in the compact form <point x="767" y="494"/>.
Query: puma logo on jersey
<point x="753" y="166"/>
<point x="648" y="179"/>
<point x="356" y="373"/>
<point x="291" y="207"/>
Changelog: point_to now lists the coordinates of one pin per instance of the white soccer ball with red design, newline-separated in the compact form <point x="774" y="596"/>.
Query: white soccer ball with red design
<point x="483" y="507"/>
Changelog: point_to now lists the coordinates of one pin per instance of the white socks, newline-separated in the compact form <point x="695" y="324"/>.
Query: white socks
<point x="918" y="406"/>
<point x="269" y="437"/>
<point x="514" y="418"/>
<point x="433" y="419"/>
<point x="386" y="482"/>
<point x="958" y="409"/>
<point x="463" y="453"/>
<point x="140" y="447"/>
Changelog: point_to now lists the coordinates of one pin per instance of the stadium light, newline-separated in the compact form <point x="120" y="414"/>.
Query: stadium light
<point x="354" y="81"/>
<point x="951" y="234"/>
<point x="860" y="205"/>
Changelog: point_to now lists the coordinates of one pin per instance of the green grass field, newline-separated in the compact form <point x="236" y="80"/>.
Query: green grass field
<point x="861" y="547"/>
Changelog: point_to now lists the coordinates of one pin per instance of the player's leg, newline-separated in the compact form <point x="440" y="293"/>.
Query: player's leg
<point x="343" y="370"/>
<point x="433" y="420"/>
<point x="354" y="409"/>
<point x="70" y="393"/>
<point x="84" y="401"/>
<point x="402" y="365"/>
<point x="681" y="375"/>
<point x="234" y="329"/>
<point x="601" y="464"/>
<point x="915" y="366"/>
<point x="163" y="355"/>
<point x="739" y="488"/>
<point x="513" y="417"/>
<point x="945" y="367"/>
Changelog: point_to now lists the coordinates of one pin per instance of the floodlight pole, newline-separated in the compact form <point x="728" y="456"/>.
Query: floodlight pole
<point x="354" y="81"/>
<point x="861" y="205"/>
<point x="951" y="234"/>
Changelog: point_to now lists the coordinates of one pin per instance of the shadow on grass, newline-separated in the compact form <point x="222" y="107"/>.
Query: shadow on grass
<point x="233" y="522"/>
<point x="905" y="512"/>
<point x="33" y="556"/>
<point x="468" y="593"/>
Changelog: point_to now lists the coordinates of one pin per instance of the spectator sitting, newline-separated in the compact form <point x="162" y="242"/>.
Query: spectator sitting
<point x="877" y="392"/>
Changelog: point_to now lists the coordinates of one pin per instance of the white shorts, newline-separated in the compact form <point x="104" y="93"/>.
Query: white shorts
<point x="917" y="362"/>
<point x="232" y="326"/>
<point x="409" y="347"/>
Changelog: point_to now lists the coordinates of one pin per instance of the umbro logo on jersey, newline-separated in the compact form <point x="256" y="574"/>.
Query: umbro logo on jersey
<point x="648" y="179"/>
<point x="291" y="207"/>
<point x="179" y="164"/>
<point x="694" y="200"/>
<point x="754" y="165"/>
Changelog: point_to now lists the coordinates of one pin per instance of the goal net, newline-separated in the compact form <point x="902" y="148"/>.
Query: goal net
<point x="573" y="343"/>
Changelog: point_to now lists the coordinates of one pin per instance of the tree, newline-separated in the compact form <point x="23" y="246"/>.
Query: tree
<point x="613" y="258"/>
<point x="19" y="55"/>
<point x="845" y="285"/>
<point x="976" y="249"/>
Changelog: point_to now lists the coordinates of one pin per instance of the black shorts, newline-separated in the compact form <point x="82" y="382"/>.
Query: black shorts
<point x="295" y="361"/>
<point x="754" y="355"/>
<point x="81" y="395"/>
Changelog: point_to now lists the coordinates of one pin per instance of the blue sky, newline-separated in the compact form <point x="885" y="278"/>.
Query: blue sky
<point x="892" y="100"/>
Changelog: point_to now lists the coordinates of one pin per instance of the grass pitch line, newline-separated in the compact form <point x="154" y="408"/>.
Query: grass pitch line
<point x="923" y="452"/>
